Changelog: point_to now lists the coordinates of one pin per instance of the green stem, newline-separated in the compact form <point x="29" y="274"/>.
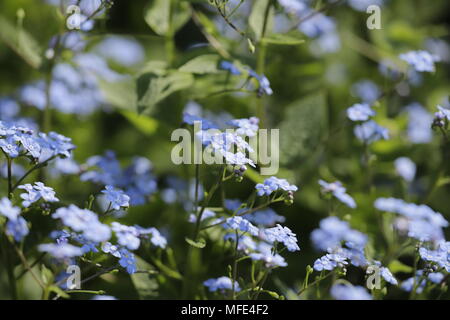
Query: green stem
<point x="235" y="263"/>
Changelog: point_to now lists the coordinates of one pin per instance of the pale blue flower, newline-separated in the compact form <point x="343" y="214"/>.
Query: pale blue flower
<point x="370" y="131"/>
<point x="282" y="235"/>
<point x="265" y="217"/>
<point x="230" y="67"/>
<point x="337" y="189"/>
<point x="241" y="224"/>
<point x="127" y="260"/>
<point x="421" y="61"/>
<point x="8" y="210"/>
<point x="273" y="184"/>
<point x="221" y="284"/>
<point x="367" y="90"/>
<point x="123" y="50"/>
<point x="116" y="197"/>
<point x="246" y="127"/>
<point x="419" y="124"/>
<point x="264" y="253"/>
<point x="127" y="236"/>
<point x="36" y="192"/>
<point x="84" y="221"/>
<point x="61" y="251"/>
<point x="349" y="292"/>
<point x="362" y="5"/>
<point x="405" y="168"/>
<point x="360" y="112"/>
<point x="17" y="228"/>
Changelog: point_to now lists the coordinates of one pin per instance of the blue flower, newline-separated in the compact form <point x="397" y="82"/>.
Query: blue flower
<point x="239" y="223"/>
<point x="317" y="25"/>
<point x="127" y="260"/>
<point x="230" y="67"/>
<point x="221" y="284"/>
<point x="282" y="235"/>
<point x="420" y="282"/>
<point x="113" y="250"/>
<point x="61" y="251"/>
<point x="206" y="215"/>
<point x="264" y="84"/>
<point x="245" y="244"/>
<point x="417" y="221"/>
<point x="421" y="61"/>
<point x="333" y="232"/>
<point x="349" y="292"/>
<point x="405" y="168"/>
<point x="264" y="253"/>
<point x="246" y="127"/>
<point x="116" y="197"/>
<point x="85" y="221"/>
<point x="360" y="112"/>
<point x="36" y="192"/>
<point x="8" y="210"/>
<point x="419" y="124"/>
<point x="17" y="228"/>
<point x="362" y="5"/>
<point x="125" y="51"/>
<point x="370" y="131"/>
<point x="157" y="239"/>
<point x="337" y="189"/>
<point x="367" y="90"/>
<point x="334" y="259"/>
<point x="440" y="256"/>
<point x="266" y="217"/>
<point x="273" y="184"/>
<point x="192" y="119"/>
<point x="136" y="180"/>
<point x="127" y="236"/>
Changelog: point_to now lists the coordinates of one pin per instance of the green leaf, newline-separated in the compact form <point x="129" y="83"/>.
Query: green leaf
<point x="256" y="19"/>
<point x="143" y="123"/>
<point x="152" y="89"/>
<point x="202" y="64"/>
<point x="145" y="284"/>
<point x="165" y="17"/>
<point x="397" y="266"/>
<point x="46" y="275"/>
<point x="199" y="244"/>
<point x="21" y="42"/>
<point x="304" y="124"/>
<point x="283" y="39"/>
<point x="120" y="94"/>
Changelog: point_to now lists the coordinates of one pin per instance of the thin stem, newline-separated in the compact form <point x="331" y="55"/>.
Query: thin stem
<point x="312" y="284"/>
<point x="26" y="265"/>
<point x="205" y="204"/>
<point x="244" y="213"/>
<point x="314" y="13"/>
<point x="36" y="167"/>
<point x="9" y="162"/>
<point x="235" y="264"/>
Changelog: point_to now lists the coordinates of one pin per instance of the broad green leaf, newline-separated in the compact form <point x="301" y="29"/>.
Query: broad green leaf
<point x="120" y="94"/>
<point x="397" y="266"/>
<point x="304" y="124"/>
<point x="165" y="17"/>
<point x="256" y="19"/>
<point x="283" y="39"/>
<point x="145" y="284"/>
<point x="145" y="124"/>
<point x="153" y="89"/>
<point x="21" y="42"/>
<point x="199" y="244"/>
<point x="202" y="64"/>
